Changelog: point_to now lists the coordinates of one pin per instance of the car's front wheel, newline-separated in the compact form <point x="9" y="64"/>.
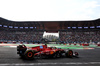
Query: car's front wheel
<point x="69" y="53"/>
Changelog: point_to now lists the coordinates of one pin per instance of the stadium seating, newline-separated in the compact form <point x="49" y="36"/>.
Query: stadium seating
<point x="21" y="36"/>
<point x="79" y="36"/>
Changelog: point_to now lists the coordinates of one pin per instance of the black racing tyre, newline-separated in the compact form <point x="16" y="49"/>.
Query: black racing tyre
<point x="29" y="54"/>
<point x="54" y="55"/>
<point x="18" y="48"/>
<point x="57" y="54"/>
<point x="69" y="54"/>
<point x="21" y="48"/>
<point x="60" y="54"/>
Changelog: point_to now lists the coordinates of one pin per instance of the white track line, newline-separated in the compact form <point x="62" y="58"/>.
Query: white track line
<point x="13" y="46"/>
<point x="30" y="64"/>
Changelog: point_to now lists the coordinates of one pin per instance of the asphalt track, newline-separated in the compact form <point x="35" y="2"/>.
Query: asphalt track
<point x="87" y="57"/>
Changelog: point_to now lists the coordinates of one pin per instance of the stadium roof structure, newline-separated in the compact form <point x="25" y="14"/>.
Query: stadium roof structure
<point x="49" y="26"/>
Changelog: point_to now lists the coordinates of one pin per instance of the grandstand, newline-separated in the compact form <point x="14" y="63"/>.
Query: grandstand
<point x="32" y="31"/>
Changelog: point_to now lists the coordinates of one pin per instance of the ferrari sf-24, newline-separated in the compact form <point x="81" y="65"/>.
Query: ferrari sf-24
<point x="44" y="52"/>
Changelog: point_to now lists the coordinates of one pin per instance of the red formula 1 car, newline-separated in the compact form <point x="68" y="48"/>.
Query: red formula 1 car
<point x="44" y="52"/>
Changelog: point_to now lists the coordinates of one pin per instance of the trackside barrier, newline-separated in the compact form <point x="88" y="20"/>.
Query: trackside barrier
<point x="98" y="44"/>
<point x="5" y="42"/>
<point x="85" y="44"/>
<point x="0" y="42"/>
<point x="80" y="44"/>
<point x="77" y="44"/>
<point x="21" y="42"/>
<point x="14" y="42"/>
<point x="69" y="44"/>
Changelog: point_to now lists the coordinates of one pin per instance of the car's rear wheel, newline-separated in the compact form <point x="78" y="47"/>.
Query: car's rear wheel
<point x="29" y="55"/>
<point x="21" y="48"/>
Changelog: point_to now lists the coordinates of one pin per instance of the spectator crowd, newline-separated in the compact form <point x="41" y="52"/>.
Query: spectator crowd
<point x="79" y="36"/>
<point x="21" y="36"/>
